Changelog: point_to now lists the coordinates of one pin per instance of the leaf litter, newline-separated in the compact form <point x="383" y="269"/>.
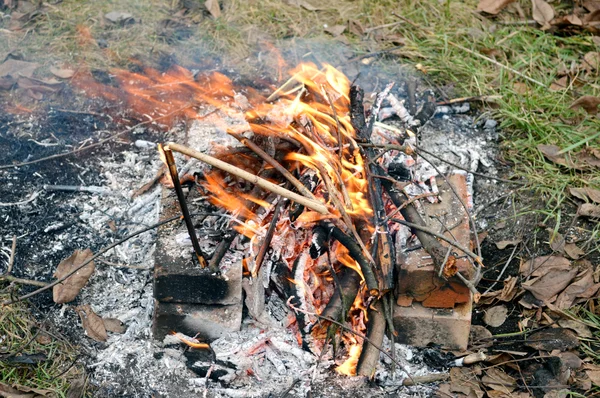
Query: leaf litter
<point x="67" y="290"/>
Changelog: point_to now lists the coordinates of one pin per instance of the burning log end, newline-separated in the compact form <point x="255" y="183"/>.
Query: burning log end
<point x="369" y="356"/>
<point x="338" y="305"/>
<point x="319" y="242"/>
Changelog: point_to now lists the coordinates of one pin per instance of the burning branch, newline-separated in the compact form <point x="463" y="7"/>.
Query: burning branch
<point x="269" y="186"/>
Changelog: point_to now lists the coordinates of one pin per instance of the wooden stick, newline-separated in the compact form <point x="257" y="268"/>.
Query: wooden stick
<point x="268" y="237"/>
<point x="369" y="357"/>
<point x="170" y="160"/>
<point x="13" y="251"/>
<point x="269" y="159"/>
<point x="269" y="186"/>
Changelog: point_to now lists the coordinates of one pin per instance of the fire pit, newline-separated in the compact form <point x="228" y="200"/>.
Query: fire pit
<point x="335" y="219"/>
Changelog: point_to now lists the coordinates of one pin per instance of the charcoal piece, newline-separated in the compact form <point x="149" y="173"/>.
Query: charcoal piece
<point x="427" y="109"/>
<point x="399" y="172"/>
<point x="310" y="181"/>
<point x="319" y="242"/>
<point x="436" y="359"/>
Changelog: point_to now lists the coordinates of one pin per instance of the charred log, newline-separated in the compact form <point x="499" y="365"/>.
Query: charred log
<point x="356" y="253"/>
<point x="339" y="305"/>
<point x="369" y="357"/>
<point x="319" y="242"/>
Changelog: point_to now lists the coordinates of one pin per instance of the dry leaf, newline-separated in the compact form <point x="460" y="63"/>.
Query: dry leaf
<point x="560" y="84"/>
<point x="583" y="287"/>
<point x="541" y="265"/>
<point x="68" y="289"/>
<point x="18" y="391"/>
<point x="580" y="328"/>
<point x="553" y="339"/>
<point x="550" y="284"/>
<point x="120" y="17"/>
<point x="557" y="241"/>
<point x="503" y="244"/>
<point x="464" y="380"/>
<point x="493" y="6"/>
<point x="586" y="194"/>
<point x="114" y="325"/>
<point x="591" y="61"/>
<point x="573" y="251"/>
<point x="495" y="316"/>
<point x="480" y="336"/>
<point x="335" y="30"/>
<point x="589" y="210"/>
<point x="213" y="7"/>
<point x="520" y="88"/>
<point x="588" y="102"/>
<point x="593" y="372"/>
<point x="304" y="4"/>
<point x="542" y="12"/>
<point x="584" y="159"/>
<point x="498" y="380"/>
<point x="62" y="73"/>
<point x="92" y="323"/>
<point x="15" y="68"/>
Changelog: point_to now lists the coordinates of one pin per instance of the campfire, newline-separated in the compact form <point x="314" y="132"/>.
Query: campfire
<point x="320" y="193"/>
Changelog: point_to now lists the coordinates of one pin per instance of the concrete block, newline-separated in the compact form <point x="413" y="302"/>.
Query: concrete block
<point x="418" y="326"/>
<point x="207" y="322"/>
<point x="177" y="276"/>
<point x="417" y="279"/>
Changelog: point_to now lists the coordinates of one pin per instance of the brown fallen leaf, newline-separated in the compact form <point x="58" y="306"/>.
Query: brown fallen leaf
<point x="19" y="391"/>
<point x="588" y="102"/>
<point x="560" y="84"/>
<point x="69" y="289"/>
<point x="213" y="8"/>
<point x="335" y="30"/>
<point x="479" y="336"/>
<point x="573" y="251"/>
<point x="541" y="265"/>
<point x="591" y="61"/>
<point x="15" y="68"/>
<point x="557" y="241"/>
<point x="566" y="21"/>
<point x="593" y="372"/>
<point x="114" y="325"/>
<point x="495" y="316"/>
<point x="586" y="194"/>
<point x="542" y="12"/>
<point x="589" y="210"/>
<point x="582" y="288"/>
<point x="498" y="380"/>
<point x="304" y="4"/>
<point x="493" y="6"/>
<point x="582" y="330"/>
<point x="62" y="73"/>
<point x="464" y="381"/>
<point x="553" y="339"/>
<point x="503" y="244"/>
<point x="585" y="159"/>
<point x="546" y="287"/>
<point x="92" y="323"/>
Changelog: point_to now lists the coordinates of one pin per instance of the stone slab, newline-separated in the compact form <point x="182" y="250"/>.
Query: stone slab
<point x="178" y="278"/>
<point x="419" y="326"/>
<point x="207" y="322"/>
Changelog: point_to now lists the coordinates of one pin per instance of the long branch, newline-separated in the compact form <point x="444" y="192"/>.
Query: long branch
<point x="265" y="184"/>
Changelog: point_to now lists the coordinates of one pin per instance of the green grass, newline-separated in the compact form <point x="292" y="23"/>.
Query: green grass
<point x="21" y="334"/>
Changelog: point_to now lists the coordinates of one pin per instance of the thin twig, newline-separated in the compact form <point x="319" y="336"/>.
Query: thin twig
<point x="22" y="202"/>
<point x="276" y="165"/>
<point x="348" y="329"/>
<point x="454" y="243"/>
<point x="462" y="202"/>
<point x="13" y="250"/>
<point x="268" y="237"/>
<point x="477" y="98"/>
<point x="476" y="54"/>
<point x="256" y="180"/>
<point x="503" y="269"/>
<point x="22" y="281"/>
